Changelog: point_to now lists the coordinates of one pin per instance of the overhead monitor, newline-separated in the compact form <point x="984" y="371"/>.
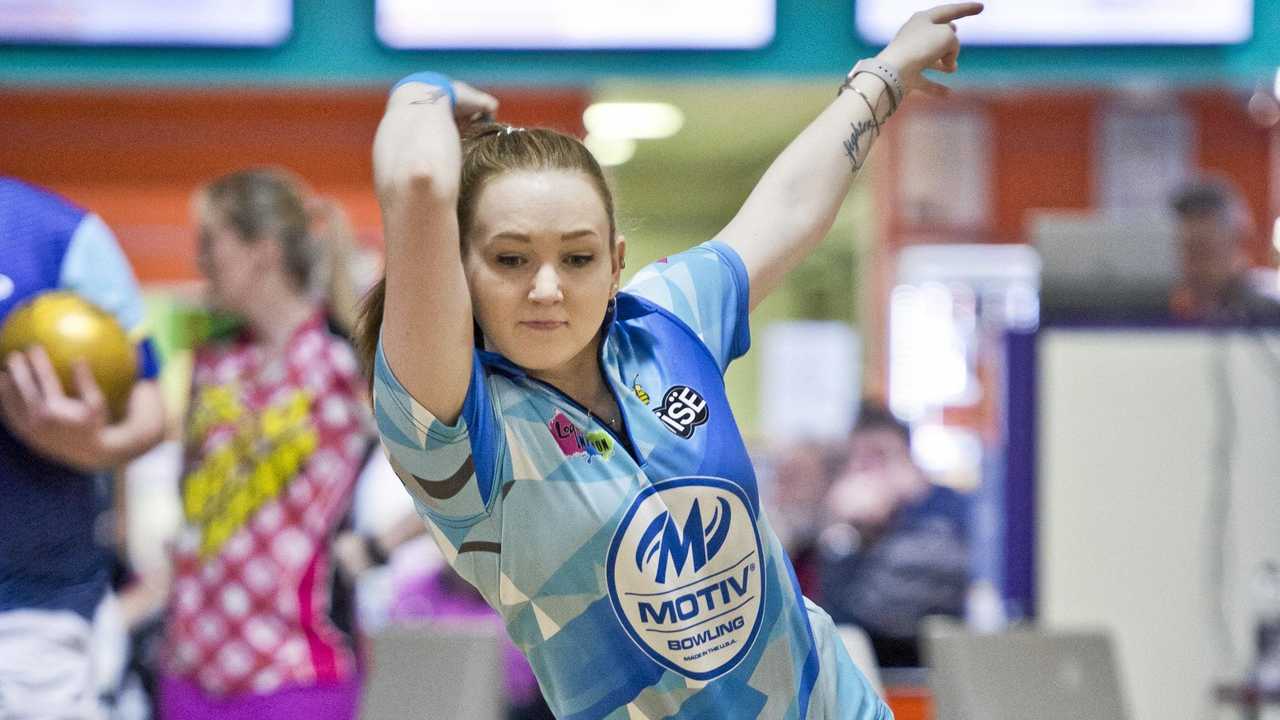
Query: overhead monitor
<point x="576" y="24"/>
<point x="1076" y="22"/>
<point x="202" y="23"/>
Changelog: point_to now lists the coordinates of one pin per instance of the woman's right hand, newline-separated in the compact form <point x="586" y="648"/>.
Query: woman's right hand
<point x="472" y="104"/>
<point x="928" y="41"/>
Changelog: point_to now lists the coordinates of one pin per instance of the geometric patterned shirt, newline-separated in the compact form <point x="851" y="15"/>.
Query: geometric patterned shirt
<point x="273" y="449"/>
<point x="639" y="575"/>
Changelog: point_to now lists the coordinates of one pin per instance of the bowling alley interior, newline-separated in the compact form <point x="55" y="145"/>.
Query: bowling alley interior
<point x="955" y="327"/>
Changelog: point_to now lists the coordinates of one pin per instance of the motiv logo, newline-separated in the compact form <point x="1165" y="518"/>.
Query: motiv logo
<point x="666" y="541"/>
<point x="684" y="572"/>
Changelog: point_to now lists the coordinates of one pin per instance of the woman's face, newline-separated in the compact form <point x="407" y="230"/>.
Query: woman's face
<point x="539" y="266"/>
<point x="231" y="265"/>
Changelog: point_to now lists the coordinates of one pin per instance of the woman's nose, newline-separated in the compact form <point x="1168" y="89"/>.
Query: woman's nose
<point x="546" y="285"/>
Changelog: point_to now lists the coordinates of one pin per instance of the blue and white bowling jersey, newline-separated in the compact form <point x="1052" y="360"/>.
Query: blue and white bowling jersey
<point x="640" y="586"/>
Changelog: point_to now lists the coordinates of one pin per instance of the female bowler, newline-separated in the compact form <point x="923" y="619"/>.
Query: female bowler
<point x="570" y="444"/>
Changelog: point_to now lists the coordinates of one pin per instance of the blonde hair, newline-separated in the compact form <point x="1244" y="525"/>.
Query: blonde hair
<point x="265" y="203"/>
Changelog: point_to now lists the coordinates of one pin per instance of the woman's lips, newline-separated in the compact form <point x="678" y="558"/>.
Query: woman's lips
<point x="544" y="324"/>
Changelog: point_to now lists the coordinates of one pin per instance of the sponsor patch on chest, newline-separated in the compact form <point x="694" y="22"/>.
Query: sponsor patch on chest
<point x="684" y="572"/>
<point x="683" y="410"/>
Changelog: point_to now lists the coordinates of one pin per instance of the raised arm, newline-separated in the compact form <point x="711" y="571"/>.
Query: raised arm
<point x="427" y="327"/>
<point x="794" y="205"/>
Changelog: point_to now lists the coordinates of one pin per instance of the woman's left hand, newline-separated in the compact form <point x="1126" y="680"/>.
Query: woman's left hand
<point x="928" y="42"/>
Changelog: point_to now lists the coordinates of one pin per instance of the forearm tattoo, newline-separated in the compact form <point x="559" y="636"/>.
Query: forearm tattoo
<point x="432" y="97"/>
<point x="853" y="146"/>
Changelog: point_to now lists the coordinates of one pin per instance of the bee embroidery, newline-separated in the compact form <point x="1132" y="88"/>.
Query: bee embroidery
<point x="639" y="391"/>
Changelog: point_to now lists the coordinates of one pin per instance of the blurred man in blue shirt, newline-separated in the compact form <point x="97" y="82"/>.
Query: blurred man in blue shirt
<point x="896" y="550"/>
<point x="56" y="444"/>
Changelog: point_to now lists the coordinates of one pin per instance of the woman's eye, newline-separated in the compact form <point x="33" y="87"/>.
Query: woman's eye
<point x="579" y="260"/>
<point x="510" y="260"/>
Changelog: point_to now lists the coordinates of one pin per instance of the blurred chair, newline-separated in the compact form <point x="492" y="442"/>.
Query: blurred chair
<point x="1022" y="674"/>
<point x="858" y="645"/>
<point x="431" y="671"/>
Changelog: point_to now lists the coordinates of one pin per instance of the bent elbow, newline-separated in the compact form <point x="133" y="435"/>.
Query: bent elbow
<point x="421" y="183"/>
<point x="426" y="180"/>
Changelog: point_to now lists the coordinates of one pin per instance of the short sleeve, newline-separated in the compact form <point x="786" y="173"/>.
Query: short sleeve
<point x="707" y="288"/>
<point x="95" y="268"/>
<point x="450" y="470"/>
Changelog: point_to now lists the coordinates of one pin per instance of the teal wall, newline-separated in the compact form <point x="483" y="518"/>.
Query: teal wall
<point x="334" y="44"/>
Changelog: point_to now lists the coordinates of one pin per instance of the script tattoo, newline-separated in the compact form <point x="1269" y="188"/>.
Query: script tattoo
<point x="432" y="98"/>
<point x="853" y="146"/>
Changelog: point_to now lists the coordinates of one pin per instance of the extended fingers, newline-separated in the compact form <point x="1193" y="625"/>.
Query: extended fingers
<point x="11" y="405"/>
<point x="46" y="377"/>
<point x="87" y="386"/>
<point x="27" y="392"/>
<point x="949" y="13"/>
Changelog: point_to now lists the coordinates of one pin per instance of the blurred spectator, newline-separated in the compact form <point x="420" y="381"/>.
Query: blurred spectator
<point x="275" y="436"/>
<point x="57" y="450"/>
<point x="895" y="547"/>
<point x="801" y="478"/>
<point x="1214" y="226"/>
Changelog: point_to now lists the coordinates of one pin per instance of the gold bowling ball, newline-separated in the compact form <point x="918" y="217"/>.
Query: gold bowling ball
<point x="69" y="328"/>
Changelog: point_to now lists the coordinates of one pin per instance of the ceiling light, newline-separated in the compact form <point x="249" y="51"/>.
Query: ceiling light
<point x="610" y="151"/>
<point x="634" y="120"/>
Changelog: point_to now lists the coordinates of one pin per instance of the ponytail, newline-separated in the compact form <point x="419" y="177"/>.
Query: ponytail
<point x="369" y="326"/>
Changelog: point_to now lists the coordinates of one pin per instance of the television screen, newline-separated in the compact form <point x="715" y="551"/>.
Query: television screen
<point x="576" y="24"/>
<point x="231" y="23"/>
<point x="1077" y="22"/>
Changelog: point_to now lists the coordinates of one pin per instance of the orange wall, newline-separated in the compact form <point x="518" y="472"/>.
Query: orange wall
<point x="1043" y="156"/>
<point x="135" y="157"/>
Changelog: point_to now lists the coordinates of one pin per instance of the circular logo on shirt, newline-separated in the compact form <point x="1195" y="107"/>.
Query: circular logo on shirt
<point x="684" y="572"/>
<point x="6" y="286"/>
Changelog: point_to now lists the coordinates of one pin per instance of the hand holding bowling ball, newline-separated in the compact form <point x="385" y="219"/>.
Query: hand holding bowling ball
<point x="70" y="328"/>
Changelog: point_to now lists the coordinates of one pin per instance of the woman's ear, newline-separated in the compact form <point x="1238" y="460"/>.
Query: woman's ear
<point x="619" y="259"/>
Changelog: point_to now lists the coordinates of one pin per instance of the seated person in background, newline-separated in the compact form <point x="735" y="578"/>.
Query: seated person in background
<point x="801" y="477"/>
<point x="895" y="547"/>
<point x="1214" y="225"/>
